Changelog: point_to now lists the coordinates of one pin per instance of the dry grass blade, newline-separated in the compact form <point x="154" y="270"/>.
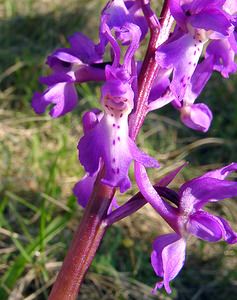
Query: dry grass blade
<point x="56" y="202"/>
<point x="184" y="151"/>
<point x="9" y="71"/>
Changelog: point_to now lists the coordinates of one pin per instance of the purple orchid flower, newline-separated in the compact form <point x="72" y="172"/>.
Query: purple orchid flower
<point x="223" y="53"/>
<point x="188" y="218"/>
<point x="169" y="250"/>
<point x="197" y="116"/>
<point x="72" y="65"/>
<point x="83" y="188"/>
<point x="82" y="62"/>
<point x="118" y="13"/>
<point x="223" y="50"/>
<point x="108" y="142"/>
<point x="197" y="22"/>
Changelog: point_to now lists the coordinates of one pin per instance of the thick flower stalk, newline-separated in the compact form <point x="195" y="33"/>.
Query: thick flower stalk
<point x="178" y="63"/>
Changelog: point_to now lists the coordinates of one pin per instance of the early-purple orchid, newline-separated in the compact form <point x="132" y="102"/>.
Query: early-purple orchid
<point x="72" y="65"/>
<point x="179" y="61"/>
<point x="108" y="142"/>
<point x="197" y="23"/>
<point x="168" y="253"/>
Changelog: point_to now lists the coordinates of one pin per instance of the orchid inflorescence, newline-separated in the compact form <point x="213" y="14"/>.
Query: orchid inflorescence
<point x="203" y="40"/>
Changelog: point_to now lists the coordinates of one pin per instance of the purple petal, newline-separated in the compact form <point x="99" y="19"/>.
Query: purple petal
<point x="84" y="48"/>
<point x="113" y="15"/>
<point x="168" y="258"/>
<point x="90" y="119"/>
<point x="62" y="59"/>
<point x="83" y="189"/>
<point x="160" y="95"/>
<point x="127" y="34"/>
<point x="182" y="55"/>
<point x="197" y="116"/>
<point x="116" y="12"/>
<point x="108" y="37"/>
<point x="223" y="56"/>
<point x="89" y="73"/>
<point x="205" y="226"/>
<point x="82" y="52"/>
<point x="130" y="33"/>
<point x="141" y="157"/>
<point x="62" y="95"/>
<point x="89" y="150"/>
<point x="161" y="84"/>
<point x="199" y="79"/>
<point x="197" y="192"/>
<point x="178" y="13"/>
<point x="198" y="5"/>
<point x="137" y="17"/>
<point x="230" y="236"/>
<point x="55" y="78"/>
<point x="161" y="102"/>
<point x="38" y="103"/>
<point x="221" y="173"/>
<point x="212" y="19"/>
<point x="119" y="12"/>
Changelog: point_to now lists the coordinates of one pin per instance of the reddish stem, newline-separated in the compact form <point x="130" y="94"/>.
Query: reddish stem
<point x="84" y="245"/>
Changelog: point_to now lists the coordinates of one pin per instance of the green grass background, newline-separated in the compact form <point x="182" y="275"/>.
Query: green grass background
<point x="39" y="166"/>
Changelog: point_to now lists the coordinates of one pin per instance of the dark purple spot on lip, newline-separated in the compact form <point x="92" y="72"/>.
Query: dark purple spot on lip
<point x="114" y="160"/>
<point x="198" y="49"/>
<point x="121" y="115"/>
<point x="200" y="41"/>
<point x="194" y="52"/>
<point x="106" y="106"/>
<point x="190" y="63"/>
<point x="113" y="170"/>
<point x="195" y="45"/>
<point x="118" y="126"/>
<point x="117" y="170"/>
<point x="188" y="77"/>
<point x="113" y="142"/>
<point x="114" y="125"/>
<point x="112" y="115"/>
<point x="118" y="138"/>
<point x="184" y="85"/>
<point x="194" y="64"/>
